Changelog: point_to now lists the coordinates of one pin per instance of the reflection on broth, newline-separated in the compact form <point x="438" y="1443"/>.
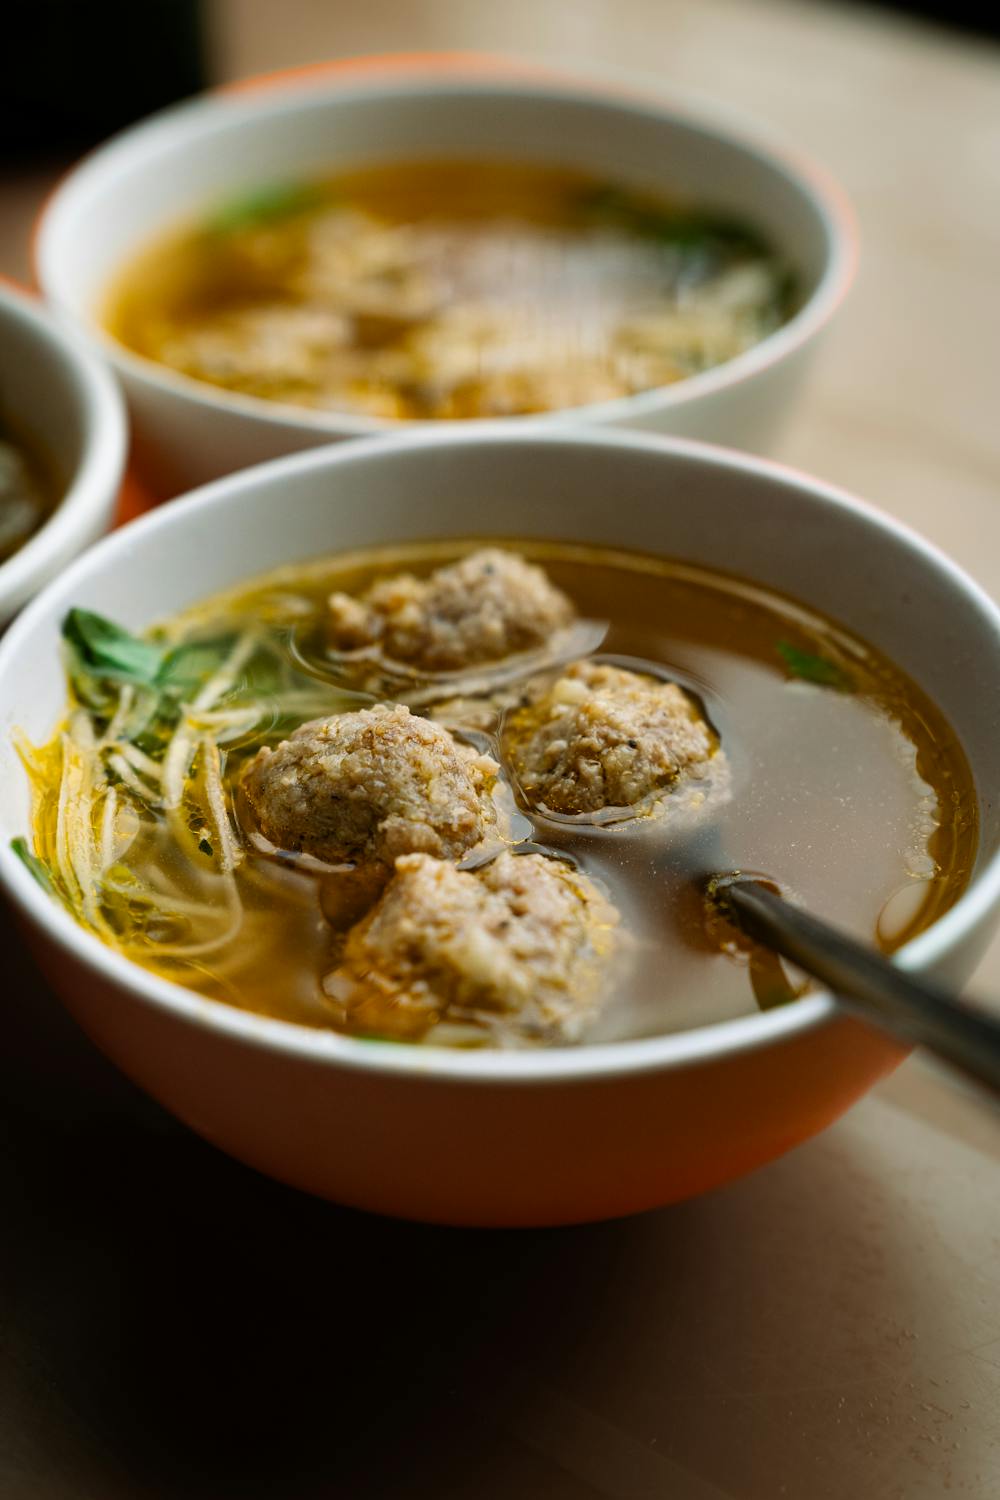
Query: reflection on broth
<point x="229" y="805"/>
<point x="450" y="289"/>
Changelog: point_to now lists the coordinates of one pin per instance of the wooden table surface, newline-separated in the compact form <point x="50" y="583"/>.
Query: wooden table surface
<point x="829" y="1329"/>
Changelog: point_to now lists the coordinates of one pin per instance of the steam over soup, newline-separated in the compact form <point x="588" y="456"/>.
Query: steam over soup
<point x="469" y="795"/>
<point x="450" y="289"/>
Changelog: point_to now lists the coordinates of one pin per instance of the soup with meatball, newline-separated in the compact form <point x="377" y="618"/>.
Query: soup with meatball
<point x="469" y="794"/>
<point x="450" y="289"/>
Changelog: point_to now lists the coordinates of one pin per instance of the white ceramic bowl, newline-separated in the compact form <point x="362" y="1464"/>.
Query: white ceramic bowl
<point x="498" y="1137"/>
<point x="56" y="395"/>
<point x="188" y="157"/>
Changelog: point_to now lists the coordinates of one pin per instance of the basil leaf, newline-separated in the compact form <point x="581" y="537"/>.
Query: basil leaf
<point x="104" y="649"/>
<point x="36" y="866"/>
<point x="815" y="669"/>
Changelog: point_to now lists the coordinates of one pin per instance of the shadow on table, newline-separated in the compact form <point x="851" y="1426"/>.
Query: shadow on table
<point x="178" y="1326"/>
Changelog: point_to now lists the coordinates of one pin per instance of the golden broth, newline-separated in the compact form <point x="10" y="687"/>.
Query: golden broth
<point x="449" y="289"/>
<point x="850" y="790"/>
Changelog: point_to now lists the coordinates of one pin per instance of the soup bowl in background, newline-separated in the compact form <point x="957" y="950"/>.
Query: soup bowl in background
<point x="61" y="401"/>
<point x="499" y="1137"/>
<point x="181" y="162"/>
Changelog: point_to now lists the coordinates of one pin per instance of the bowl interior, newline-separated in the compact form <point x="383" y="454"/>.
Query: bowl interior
<point x="43" y="392"/>
<point x="698" y="504"/>
<point x="56" y="396"/>
<point x="157" y="173"/>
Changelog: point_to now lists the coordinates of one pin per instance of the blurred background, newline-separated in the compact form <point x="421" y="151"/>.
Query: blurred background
<point x="903" y="109"/>
<point x="76" y="73"/>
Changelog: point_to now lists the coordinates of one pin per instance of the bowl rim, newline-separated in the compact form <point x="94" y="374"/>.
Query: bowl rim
<point x="290" y="90"/>
<point x="714" y="1040"/>
<point x="91" y="489"/>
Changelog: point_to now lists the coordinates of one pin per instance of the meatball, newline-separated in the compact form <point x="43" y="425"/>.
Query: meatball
<point x="601" y="737"/>
<point x="487" y="606"/>
<point x="368" y="786"/>
<point x="273" y="349"/>
<point x="518" y="947"/>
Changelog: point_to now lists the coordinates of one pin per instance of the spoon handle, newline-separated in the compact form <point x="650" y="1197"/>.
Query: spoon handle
<point x="868" y="984"/>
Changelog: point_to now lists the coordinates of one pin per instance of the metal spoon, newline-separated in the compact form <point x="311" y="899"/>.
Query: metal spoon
<point x="914" y="1010"/>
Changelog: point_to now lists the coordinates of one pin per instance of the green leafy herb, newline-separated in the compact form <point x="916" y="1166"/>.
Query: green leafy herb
<point x="104" y="657"/>
<point x="205" y="846"/>
<point x="105" y="650"/>
<point x="264" y="674"/>
<point x="265" y="205"/>
<point x="815" y="669"/>
<point x="188" y="666"/>
<point x="36" y="866"/>
<point x="684" y="228"/>
<point x="162" y="679"/>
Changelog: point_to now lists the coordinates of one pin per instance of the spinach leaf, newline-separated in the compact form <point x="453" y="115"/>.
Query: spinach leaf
<point x="815" y="669"/>
<point x="37" y="867"/>
<point x="105" y="650"/>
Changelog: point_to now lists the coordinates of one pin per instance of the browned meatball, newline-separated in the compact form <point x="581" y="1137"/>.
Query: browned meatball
<point x="518" y="948"/>
<point x="487" y="606"/>
<point x="368" y="786"/>
<point x="601" y="737"/>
